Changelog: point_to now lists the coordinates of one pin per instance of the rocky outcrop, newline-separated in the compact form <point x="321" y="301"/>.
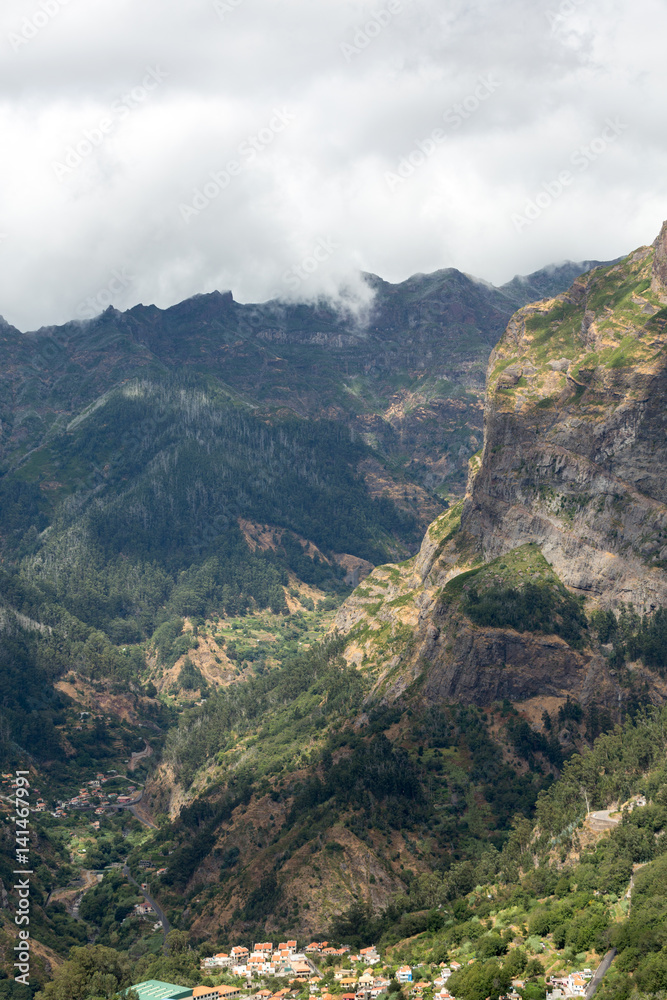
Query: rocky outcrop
<point x="573" y="469"/>
<point x="659" y="276"/>
<point x="575" y="449"/>
<point x="483" y="665"/>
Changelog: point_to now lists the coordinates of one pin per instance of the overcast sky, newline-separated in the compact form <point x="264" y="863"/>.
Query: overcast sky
<point x="154" y="149"/>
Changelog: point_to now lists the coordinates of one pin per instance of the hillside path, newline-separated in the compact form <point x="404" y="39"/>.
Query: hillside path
<point x="162" y="917"/>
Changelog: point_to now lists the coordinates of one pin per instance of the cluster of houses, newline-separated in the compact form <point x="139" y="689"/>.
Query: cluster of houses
<point x="7" y="782"/>
<point x="325" y="950"/>
<point x="574" y="985"/>
<point x="285" y="960"/>
<point x="263" y="960"/>
<point x="147" y="864"/>
<point x="92" y="797"/>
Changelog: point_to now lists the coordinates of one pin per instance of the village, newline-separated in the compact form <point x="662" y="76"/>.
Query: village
<point x="89" y="797"/>
<point x="331" y="973"/>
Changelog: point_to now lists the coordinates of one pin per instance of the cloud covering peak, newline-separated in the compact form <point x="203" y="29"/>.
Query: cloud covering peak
<point x="155" y="150"/>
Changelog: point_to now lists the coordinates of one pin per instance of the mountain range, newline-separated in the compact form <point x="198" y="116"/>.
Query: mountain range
<point x="347" y="596"/>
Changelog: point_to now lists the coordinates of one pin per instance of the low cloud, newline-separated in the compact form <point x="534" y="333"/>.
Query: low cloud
<point x="365" y="90"/>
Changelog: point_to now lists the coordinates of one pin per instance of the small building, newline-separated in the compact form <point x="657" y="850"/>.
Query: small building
<point x="155" y="989"/>
<point x="215" y="992"/>
<point x="301" y="970"/>
<point x="576" y="984"/>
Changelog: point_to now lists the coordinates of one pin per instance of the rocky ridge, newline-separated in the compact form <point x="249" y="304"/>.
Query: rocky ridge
<point x="571" y="475"/>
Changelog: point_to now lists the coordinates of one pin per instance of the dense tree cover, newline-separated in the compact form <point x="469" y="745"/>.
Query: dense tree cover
<point x="207" y="729"/>
<point x="107" y="905"/>
<point x="535" y="607"/>
<point x="634" y="636"/>
<point x="21" y="505"/>
<point x="373" y="776"/>
<point x="97" y="972"/>
<point x="481" y="981"/>
<point x="93" y="971"/>
<point x="126" y="598"/>
<point x="507" y="792"/>
<point x="190" y="678"/>
<point x="181" y="466"/>
<point x="170" y="642"/>
<point x="611" y="770"/>
<point x="31" y="708"/>
<point x="156" y="478"/>
<point x="262" y="901"/>
<point x="642" y="939"/>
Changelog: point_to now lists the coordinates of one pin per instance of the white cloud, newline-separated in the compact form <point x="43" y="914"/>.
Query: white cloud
<point x="367" y="84"/>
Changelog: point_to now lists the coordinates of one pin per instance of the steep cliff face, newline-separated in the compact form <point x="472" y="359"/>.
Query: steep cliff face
<point x="570" y="489"/>
<point x="575" y="446"/>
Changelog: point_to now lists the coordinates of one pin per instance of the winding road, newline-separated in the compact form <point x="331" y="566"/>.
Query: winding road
<point x="131" y="806"/>
<point x="603" y="820"/>
<point x="139" y="755"/>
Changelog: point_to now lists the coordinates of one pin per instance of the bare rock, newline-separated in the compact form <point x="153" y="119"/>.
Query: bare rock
<point x="659" y="279"/>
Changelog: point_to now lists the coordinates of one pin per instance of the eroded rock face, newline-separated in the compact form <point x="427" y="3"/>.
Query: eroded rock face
<point x="576" y="459"/>
<point x="483" y="665"/>
<point x="575" y="463"/>
<point x="659" y="277"/>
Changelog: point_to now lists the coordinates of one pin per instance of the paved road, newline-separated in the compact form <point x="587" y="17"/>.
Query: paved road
<point x="166" y="927"/>
<point x="136" y="757"/>
<point x="131" y="806"/>
<point x="600" y="973"/>
<point x="146" y="822"/>
<point x="602" y="820"/>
